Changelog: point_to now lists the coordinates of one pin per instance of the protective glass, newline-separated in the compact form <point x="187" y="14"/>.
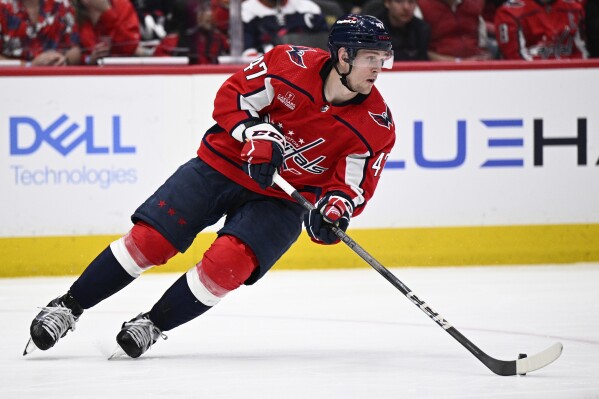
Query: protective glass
<point x="373" y="59"/>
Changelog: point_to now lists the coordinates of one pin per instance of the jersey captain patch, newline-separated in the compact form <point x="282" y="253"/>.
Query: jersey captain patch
<point x="383" y="119"/>
<point x="296" y="54"/>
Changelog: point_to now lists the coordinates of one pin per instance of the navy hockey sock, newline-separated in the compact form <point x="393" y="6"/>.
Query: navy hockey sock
<point x="103" y="277"/>
<point x="178" y="305"/>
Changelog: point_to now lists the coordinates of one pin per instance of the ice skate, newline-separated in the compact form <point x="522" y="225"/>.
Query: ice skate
<point x="53" y="323"/>
<point x="137" y="336"/>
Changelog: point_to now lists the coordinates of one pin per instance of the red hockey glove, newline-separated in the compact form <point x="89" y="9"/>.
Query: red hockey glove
<point x="335" y="208"/>
<point x="262" y="153"/>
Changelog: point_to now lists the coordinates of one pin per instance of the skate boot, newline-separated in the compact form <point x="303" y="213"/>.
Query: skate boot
<point x="53" y="322"/>
<point x="138" y="335"/>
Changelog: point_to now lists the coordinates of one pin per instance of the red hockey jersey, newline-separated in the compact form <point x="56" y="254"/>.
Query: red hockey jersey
<point x="528" y="30"/>
<point x="329" y="146"/>
<point x="454" y="29"/>
<point x="120" y="23"/>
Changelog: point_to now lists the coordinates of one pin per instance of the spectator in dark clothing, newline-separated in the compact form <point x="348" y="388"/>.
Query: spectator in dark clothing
<point x="592" y="23"/>
<point x="156" y="17"/>
<point x="267" y="22"/>
<point x="207" y="41"/>
<point x="410" y="35"/>
<point x="198" y="37"/>
<point x="353" y="6"/>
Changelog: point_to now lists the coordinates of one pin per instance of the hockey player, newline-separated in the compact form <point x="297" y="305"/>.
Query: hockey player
<point x="316" y="118"/>
<point x="540" y="29"/>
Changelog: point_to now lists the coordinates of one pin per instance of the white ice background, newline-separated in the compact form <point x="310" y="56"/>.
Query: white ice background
<point x="321" y="334"/>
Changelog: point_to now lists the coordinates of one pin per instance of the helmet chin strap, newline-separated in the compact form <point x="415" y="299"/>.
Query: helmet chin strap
<point x="343" y="77"/>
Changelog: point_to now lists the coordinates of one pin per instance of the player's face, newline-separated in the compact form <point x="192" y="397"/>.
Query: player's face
<point x="366" y="67"/>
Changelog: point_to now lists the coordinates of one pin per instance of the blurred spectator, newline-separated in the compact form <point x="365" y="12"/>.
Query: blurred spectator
<point x="458" y="31"/>
<point x="353" y="6"/>
<point x="158" y="18"/>
<point x="220" y="15"/>
<point x="331" y="9"/>
<point x="488" y="16"/>
<point x="540" y="29"/>
<point x="107" y="27"/>
<point x="206" y="41"/>
<point x="410" y="35"/>
<point x="162" y="22"/>
<point x="199" y="39"/>
<point x="370" y="7"/>
<point x="39" y="32"/>
<point x="266" y="22"/>
<point x="592" y="23"/>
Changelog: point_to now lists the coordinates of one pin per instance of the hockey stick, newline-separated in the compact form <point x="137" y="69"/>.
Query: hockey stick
<point x="501" y="367"/>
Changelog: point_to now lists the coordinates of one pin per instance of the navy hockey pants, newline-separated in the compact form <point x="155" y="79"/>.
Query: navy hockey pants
<point x="197" y="196"/>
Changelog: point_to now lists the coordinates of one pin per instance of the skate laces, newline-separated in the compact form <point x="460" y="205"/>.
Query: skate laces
<point x="57" y="320"/>
<point x="143" y="332"/>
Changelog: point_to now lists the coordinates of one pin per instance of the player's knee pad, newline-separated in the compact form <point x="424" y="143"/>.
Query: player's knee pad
<point x="142" y="248"/>
<point x="228" y="262"/>
<point x="226" y="265"/>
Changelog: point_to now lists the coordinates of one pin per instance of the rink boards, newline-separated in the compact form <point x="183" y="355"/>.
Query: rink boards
<point x="492" y="165"/>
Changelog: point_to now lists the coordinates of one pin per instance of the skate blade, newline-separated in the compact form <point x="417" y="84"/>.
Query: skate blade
<point x="30" y="347"/>
<point x="118" y="352"/>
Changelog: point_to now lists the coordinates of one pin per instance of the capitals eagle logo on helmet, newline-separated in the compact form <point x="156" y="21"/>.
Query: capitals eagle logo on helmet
<point x="384" y="119"/>
<point x="296" y="54"/>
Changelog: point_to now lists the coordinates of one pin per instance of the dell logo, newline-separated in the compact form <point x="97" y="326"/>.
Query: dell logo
<point x="27" y="135"/>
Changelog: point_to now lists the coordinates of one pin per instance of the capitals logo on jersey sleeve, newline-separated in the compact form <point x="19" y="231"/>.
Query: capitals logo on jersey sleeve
<point x="296" y="54"/>
<point x="384" y="119"/>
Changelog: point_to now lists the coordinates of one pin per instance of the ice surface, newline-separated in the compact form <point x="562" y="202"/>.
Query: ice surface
<point x="321" y="334"/>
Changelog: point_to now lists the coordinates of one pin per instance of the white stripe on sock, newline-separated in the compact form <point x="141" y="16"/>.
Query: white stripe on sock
<point x="119" y="250"/>
<point x="199" y="290"/>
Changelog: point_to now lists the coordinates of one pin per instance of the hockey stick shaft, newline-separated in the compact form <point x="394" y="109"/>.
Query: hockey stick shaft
<point x="497" y="366"/>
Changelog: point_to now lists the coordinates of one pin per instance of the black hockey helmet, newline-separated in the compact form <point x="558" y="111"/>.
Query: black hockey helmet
<point x="355" y="32"/>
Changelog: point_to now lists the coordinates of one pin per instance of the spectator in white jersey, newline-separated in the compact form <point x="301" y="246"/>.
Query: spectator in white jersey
<point x="266" y="22"/>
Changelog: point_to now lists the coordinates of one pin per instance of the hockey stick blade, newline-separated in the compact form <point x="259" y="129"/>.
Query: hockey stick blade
<point x="499" y="367"/>
<point x="539" y="360"/>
